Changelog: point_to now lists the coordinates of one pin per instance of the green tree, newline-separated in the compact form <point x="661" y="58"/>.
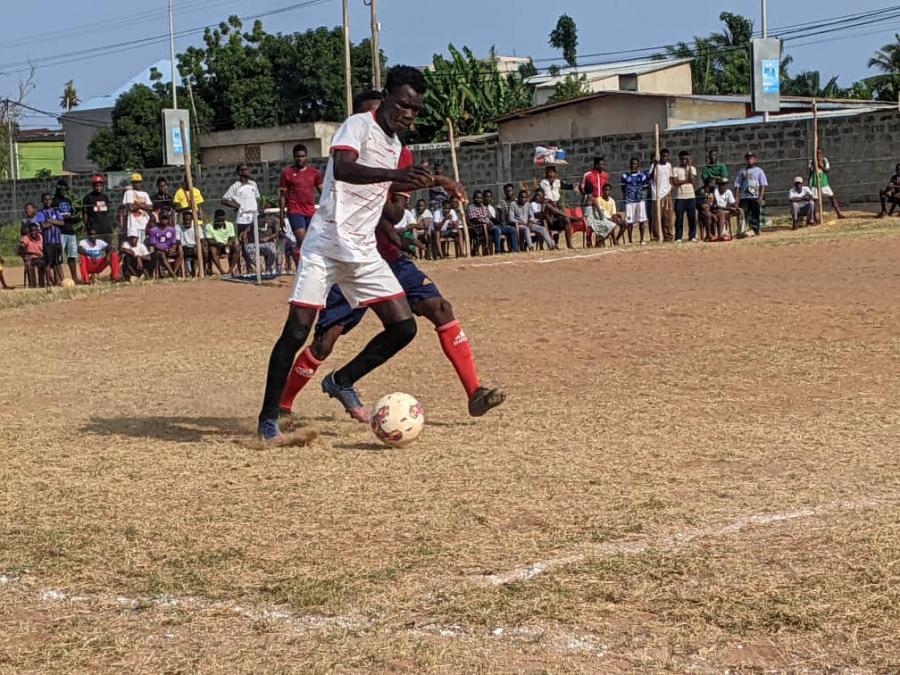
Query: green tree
<point x="886" y="86"/>
<point x="69" y="98"/>
<point x="565" y="38"/>
<point x="571" y="86"/>
<point x="470" y="92"/>
<point x="809" y="83"/>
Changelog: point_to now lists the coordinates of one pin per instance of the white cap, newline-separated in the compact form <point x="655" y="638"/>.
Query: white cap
<point x="798" y="179"/>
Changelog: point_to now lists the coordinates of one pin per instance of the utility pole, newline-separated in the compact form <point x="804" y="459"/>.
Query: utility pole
<point x="12" y="154"/>
<point x="376" y="51"/>
<point x="348" y="84"/>
<point x="172" y="55"/>
<point x="765" y="34"/>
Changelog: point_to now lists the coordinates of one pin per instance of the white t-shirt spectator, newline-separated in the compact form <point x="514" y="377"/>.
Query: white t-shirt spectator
<point x="685" y="191"/>
<point x="187" y="237"/>
<point x="551" y="190"/>
<point x="93" y="251"/>
<point x="344" y="226"/>
<point x="662" y="177"/>
<point x="424" y="217"/>
<point x="802" y="194"/>
<point x="439" y="219"/>
<point x="137" y="220"/>
<point x="247" y="196"/>
<point x="725" y="198"/>
<point x="409" y="220"/>
<point x="537" y="209"/>
<point x="139" y="249"/>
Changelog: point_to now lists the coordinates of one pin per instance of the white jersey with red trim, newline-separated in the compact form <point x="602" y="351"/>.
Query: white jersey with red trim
<point x="343" y="227"/>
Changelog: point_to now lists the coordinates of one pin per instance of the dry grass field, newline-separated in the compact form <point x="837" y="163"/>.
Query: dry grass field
<point x="697" y="470"/>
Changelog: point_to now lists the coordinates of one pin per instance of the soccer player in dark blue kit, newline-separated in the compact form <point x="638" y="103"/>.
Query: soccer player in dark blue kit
<point x="423" y="296"/>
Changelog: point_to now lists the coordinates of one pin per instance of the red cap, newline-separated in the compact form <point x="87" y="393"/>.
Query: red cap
<point x="97" y="178"/>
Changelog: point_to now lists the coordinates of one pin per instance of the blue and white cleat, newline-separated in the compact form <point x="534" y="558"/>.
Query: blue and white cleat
<point x="349" y="398"/>
<point x="269" y="433"/>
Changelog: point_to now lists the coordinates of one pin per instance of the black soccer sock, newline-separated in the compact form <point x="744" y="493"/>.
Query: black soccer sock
<point x="383" y="346"/>
<point x="292" y="338"/>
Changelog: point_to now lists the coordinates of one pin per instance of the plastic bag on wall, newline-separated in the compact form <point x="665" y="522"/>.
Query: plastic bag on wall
<point x="549" y="156"/>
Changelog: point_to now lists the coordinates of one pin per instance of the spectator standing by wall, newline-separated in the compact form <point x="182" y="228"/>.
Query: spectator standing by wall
<point x="182" y="201"/>
<point x="437" y="195"/>
<point x="683" y="177"/>
<point x="70" y="220"/>
<point x="139" y="206"/>
<point x="818" y="175"/>
<point x="299" y="189"/>
<point x="713" y="168"/>
<point x="31" y="248"/>
<point x="29" y="216"/>
<point x="661" y="189"/>
<point x="890" y="193"/>
<point x="243" y="197"/>
<point x="50" y="221"/>
<point x="634" y="184"/>
<point x="161" y="199"/>
<point x="96" y="207"/>
<point x="751" y="184"/>
<point x="596" y="176"/>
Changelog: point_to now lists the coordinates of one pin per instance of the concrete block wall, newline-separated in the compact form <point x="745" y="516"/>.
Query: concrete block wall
<point x="863" y="150"/>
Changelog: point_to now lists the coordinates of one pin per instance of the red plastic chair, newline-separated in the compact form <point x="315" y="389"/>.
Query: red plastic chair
<point x="579" y="224"/>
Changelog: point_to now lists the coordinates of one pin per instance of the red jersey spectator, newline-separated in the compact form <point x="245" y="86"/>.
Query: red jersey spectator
<point x="598" y="177"/>
<point x="299" y="190"/>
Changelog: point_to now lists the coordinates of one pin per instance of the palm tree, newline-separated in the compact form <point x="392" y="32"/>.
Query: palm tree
<point x="887" y="59"/>
<point x="69" y="98"/>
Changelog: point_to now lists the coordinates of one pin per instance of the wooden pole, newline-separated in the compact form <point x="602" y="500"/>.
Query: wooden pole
<point x="190" y="181"/>
<point x="348" y="84"/>
<point x="815" y="163"/>
<point x="376" y="50"/>
<point x="657" y="216"/>
<point x="462" y="210"/>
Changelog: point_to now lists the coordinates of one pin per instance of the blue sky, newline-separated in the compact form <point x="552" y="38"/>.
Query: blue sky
<point x="412" y="31"/>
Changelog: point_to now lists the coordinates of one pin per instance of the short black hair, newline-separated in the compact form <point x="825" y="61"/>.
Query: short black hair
<point x="237" y="169"/>
<point x="46" y="194"/>
<point x="549" y="169"/>
<point x="162" y="179"/>
<point x="665" y="150"/>
<point x="218" y="213"/>
<point x="635" y="159"/>
<point x="406" y="75"/>
<point x="299" y="148"/>
<point x="477" y="192"/>
<point x="683" y="153"/>
<point x="599" y="159"/>
<point x="523" y="192"/>
<point x="489" y="192"/>
<point x="364" y="96"/>
<point x="62" y="182"/>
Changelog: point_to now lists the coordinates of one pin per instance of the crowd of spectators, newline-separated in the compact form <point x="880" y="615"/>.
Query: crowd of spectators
<point x="155" y="235"/>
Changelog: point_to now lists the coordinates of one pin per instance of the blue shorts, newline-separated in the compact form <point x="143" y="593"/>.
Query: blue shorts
<point x="70" y="246"/>
<point x="338" y="312"/>
<point x="299" y="222"/>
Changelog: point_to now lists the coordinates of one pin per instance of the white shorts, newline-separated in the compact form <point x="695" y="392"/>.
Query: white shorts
<point x="362" y="283"/>
<point x="635" y="212"/>
<point x="826" y="191"/>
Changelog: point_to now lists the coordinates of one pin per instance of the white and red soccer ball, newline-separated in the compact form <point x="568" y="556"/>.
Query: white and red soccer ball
<point x="397" y="420"/>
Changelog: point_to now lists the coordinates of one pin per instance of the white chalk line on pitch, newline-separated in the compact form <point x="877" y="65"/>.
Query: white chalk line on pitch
<point x="538" y="261"/>
<point x="672" y="542"/>
<point x="551" y="637"/>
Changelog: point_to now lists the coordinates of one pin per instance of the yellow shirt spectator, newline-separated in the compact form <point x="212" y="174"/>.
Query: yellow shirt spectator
<point x="608" y="206"/>
<point x="181" y="202"/>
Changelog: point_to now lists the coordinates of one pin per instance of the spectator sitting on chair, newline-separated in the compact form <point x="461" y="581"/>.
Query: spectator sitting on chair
<point x="610" y="218"/>
<point x="520" y="215"/>
<point x="723" y="209"/>
<point x="480" y="224"/>
<point x="187" y="240"/>
<point x="890" y="193"/>
<point x="501" y="229"/>
<point x="136" y="259"/>
<point x="541" y="219"/>
<point x="31" y="248"/>
<point x="803" y="203"/>
<point x="50" y="220"/>
<point x="425" y="224"/>
<point x="706" y="197"/>
<point x="713" y="168"/>
<point x="183" y="203"/>
<point x="819" y="174"/>
<point x="268" y="233"/>
<point x="162" y="240"/>
<point x="96" y="256"/>
<point x="222" y="241"/>
<point x="448" y="226"/>
<point x="70" y="219"/>
<point x="437" y="195"/>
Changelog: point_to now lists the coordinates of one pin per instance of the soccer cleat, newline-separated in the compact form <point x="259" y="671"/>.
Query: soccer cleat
<point x="484" y="399"/>
<point x="269" y="432"/>
<point x="287" y="420"/>
<point x="348" y="397"/>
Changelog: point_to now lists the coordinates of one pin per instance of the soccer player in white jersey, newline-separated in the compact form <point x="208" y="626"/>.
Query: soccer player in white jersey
<point x="340" y="247"/>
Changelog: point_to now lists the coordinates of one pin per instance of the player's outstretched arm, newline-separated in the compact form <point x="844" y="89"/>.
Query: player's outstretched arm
<point x="348" y="170"/>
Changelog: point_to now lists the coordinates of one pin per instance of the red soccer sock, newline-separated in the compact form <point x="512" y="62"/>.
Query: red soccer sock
<point x="302" y="372"/>
<point x="456" y="346"/>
